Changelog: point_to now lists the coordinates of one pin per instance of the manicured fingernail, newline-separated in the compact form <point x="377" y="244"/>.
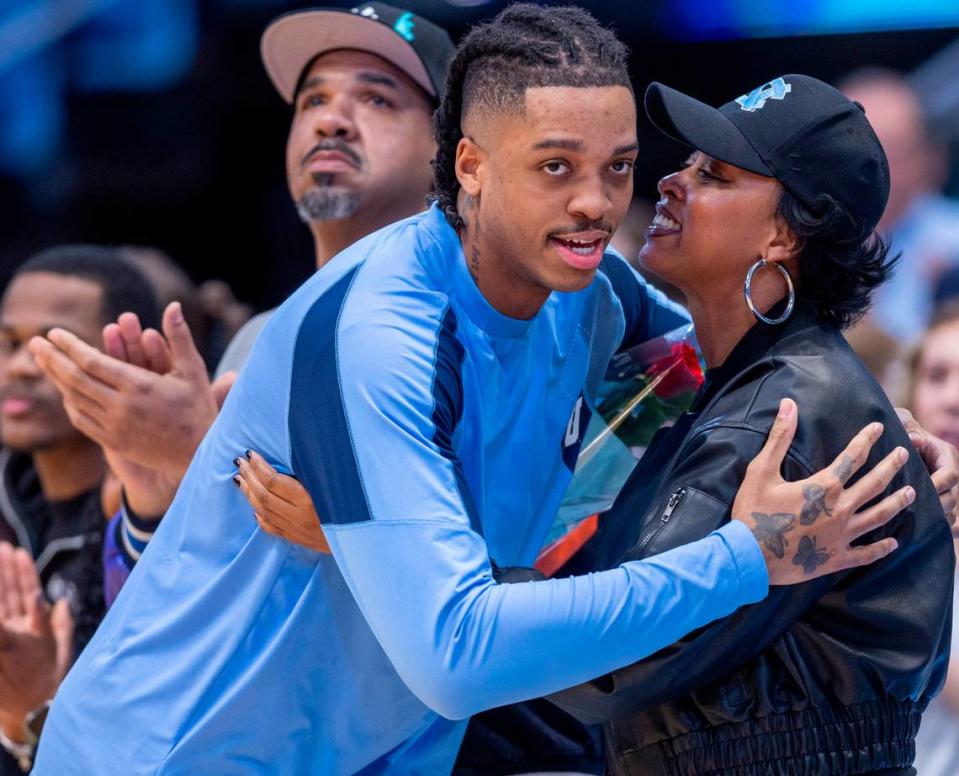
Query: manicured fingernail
<point x="236" y="462"/>
<point x="895" y="545"/>
<point x="909" y="496"/>
<point x="877" y="430"/>
<point x="915" y="437"/>
<point x="176" y="313"/>
<point x="785" y="409"/>
<point x="249" y="455"/>
<point x="901" y="454"/>
<point x="236" y="480"/>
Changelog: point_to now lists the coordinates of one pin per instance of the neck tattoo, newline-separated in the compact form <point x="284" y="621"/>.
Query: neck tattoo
<point x="474" y="260"/>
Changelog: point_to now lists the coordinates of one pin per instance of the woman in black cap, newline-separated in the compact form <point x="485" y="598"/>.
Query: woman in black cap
<point x="769" y="231"/>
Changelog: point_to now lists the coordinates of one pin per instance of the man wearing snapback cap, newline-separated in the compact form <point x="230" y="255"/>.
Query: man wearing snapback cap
<point x="363" y="84"/>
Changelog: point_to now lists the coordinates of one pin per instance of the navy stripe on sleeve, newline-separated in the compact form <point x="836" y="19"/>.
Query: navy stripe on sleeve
<point x="448" y="406"/>
<point x="321" y="445"/>
<point x="631" y="296"/>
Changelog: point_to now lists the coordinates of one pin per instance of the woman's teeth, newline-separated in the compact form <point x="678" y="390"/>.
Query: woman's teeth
<point x="664" y="222"/>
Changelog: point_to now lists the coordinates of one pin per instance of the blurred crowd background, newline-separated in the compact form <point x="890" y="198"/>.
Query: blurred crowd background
<point x="151" y="124"/>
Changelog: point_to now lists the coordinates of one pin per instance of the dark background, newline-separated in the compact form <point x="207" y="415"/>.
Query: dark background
<point x="195" y="167"/>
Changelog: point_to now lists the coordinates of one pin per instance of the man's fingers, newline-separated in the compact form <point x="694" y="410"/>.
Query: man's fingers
<point x="112" y="371"/>
<point x="916" y="435"/>
<point x="113" y="344"/>
<point x="69" y="378"/>
<point x="10" y="593"/>
<point x="849" y="461"/>
<point x="854" y="455"/>
<point x="880" y="514"/>
<point x="945" y="479"/>
<point x="28" y="581"/>
<point x="863" y="556"/>
<point x="182" y="347"/>
<point x="132" y="333"/>
<point x="159" y="357"/>
<point x="86" y="423"/>
<point x="770" y="458"/>
<point x="62" y="626"/>
<point x="221" y="387"/>
<point x="876" y="480"/>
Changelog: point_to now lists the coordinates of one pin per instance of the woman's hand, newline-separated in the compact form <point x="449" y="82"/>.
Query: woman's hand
<point x="281" y="505"/>
<point x="805" y="528"/>
<point x="942" y="461"/>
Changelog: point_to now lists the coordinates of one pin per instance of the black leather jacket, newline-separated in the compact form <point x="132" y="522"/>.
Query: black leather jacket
<point x="827" y="677"/>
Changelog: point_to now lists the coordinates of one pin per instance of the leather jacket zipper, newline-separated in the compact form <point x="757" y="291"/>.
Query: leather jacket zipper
<point x="671" y="505"/>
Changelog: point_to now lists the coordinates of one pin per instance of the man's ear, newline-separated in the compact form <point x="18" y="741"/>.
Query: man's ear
<point x="469" y="166"/>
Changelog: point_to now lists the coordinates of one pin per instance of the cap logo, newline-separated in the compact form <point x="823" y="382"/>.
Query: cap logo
<point x="404" y="26"/>
<point x="756" y="99"/>
<point x="368" y="11"/>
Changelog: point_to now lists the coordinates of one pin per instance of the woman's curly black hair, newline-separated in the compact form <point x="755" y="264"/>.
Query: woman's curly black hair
<point x="524" y="46"/>
<point x="842" y="259"/>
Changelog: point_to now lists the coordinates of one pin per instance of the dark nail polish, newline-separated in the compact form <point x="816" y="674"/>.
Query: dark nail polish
<point x="236" y="462"/>
<point x="249" y="455"/>
<point x="236" y="480"/>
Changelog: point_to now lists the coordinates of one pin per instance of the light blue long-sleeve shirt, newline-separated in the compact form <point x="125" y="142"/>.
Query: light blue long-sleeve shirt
<point x="433" y="434"/>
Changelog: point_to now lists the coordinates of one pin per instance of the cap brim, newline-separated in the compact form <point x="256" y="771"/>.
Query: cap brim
<point x="701" y="126"/>
<point x="294" y="40"/>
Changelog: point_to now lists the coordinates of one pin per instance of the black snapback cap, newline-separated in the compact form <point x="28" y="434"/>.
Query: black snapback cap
<point x="808" y="135"/>
<point x="415" y="45"/>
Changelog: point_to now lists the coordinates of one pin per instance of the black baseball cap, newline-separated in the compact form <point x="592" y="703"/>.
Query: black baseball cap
<point x="415" y="45"/>
<point x="809" y="136"/>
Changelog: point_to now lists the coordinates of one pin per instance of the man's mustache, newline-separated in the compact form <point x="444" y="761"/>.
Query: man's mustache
<point x="585" y="226"/>
<point x="333" y="145"/>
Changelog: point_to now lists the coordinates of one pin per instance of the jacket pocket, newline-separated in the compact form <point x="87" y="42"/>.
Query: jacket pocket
<point x="687" y="515"/>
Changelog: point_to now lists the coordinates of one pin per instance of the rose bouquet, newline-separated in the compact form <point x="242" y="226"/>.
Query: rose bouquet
<point x="646" y="388"/>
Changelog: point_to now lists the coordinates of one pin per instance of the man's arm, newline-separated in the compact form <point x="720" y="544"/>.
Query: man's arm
<point x="373" y="447"/>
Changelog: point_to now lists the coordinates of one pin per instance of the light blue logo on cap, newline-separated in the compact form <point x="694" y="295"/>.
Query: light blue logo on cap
<point x="404" y="26"/>
<point x="756" y="99"/>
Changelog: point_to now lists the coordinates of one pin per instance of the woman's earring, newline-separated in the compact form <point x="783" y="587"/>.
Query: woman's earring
<point x="748" y="293"/>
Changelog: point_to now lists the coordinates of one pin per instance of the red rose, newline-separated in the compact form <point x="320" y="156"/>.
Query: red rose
<point x="680" y="369"/>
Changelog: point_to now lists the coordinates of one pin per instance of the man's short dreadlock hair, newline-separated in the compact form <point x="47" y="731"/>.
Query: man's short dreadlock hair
<point x="524" y="46"/>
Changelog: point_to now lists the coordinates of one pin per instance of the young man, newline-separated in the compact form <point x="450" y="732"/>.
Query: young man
<point x="429" y="389"/>
<point x="50" y="474"/>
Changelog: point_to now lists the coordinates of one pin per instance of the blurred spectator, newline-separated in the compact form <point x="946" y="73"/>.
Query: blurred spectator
<point x="935" y="404"/>
<point x="923" y="224"/>
<point x="631" y="235"/>
<point x="947" y="289"/>
<point x="50" y="474"/>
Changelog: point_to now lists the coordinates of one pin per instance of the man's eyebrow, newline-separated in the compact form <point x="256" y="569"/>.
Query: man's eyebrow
<point x="556" y="142"/>
<point x="626" y="149"/>
<point x="377" y="78"/>
<point x="309" y="83"/>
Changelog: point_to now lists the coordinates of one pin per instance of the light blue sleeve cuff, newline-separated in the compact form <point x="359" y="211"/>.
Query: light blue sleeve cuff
<point x="750" y="563"/>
